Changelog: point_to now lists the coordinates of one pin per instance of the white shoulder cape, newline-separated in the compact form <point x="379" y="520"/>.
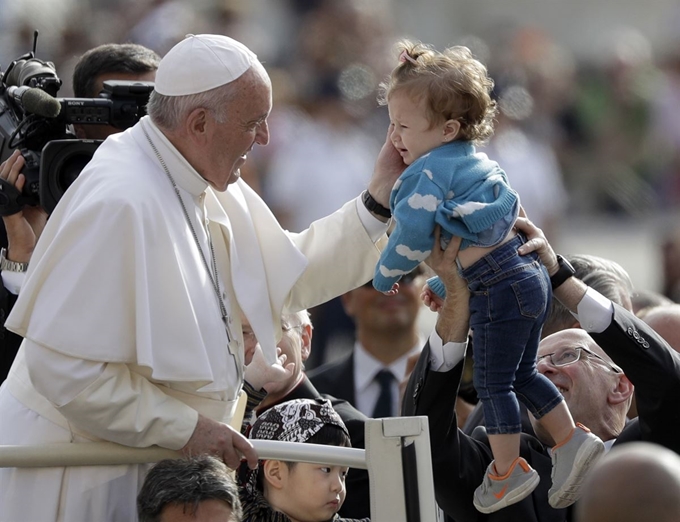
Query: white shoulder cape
<point x="113" y="279"/>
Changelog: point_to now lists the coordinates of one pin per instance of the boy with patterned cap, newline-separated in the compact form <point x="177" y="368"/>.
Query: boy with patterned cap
<point x="280" y="491"/>
<point x="440" y="106"/>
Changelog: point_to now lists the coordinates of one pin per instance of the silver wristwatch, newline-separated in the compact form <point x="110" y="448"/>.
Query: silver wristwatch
<point x="11" y="266"/>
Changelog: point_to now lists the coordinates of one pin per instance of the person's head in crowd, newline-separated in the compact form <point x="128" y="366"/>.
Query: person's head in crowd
<point x="596" y="391"/>
<point x="603" y="275"/>
<point x="129" y="61"/>
<point x="665" y="320"/>
<point x="212" y="98"/>
<point x="301" y="491"/>
<point x="295" y="344"/>
<point x="380" y="316"/>
<point x="634" y="482"/>
<point x="199" y="489"/>
<point x="670" y="257"/>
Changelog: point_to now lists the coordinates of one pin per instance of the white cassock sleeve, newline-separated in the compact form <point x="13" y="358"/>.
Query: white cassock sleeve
<point x="109" y="401"/>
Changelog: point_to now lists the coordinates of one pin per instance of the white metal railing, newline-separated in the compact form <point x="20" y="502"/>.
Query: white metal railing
<point x="111" y="454"/>
<point x="385" y="442"/>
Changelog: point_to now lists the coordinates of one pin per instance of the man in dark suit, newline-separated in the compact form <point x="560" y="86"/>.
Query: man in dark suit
<point x="595" y="388"/>
<point x="296" y="344"/>
<point x="386" y="337"/>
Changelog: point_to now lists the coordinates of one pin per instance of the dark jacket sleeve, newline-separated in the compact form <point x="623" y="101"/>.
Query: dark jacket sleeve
<point x="654" y="369"/>
<point x="9" y="341"/>
<point x="459" y="461"/>
<point x="335" y="378"/>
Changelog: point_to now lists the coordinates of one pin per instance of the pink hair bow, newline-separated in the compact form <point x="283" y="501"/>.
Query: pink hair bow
<point x="405" y="56"/>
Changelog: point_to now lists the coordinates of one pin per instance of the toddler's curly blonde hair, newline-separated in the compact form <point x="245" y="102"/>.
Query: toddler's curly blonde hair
<point x="452" y="82"/>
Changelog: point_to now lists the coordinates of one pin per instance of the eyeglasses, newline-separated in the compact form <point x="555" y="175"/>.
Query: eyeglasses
<point x="571" y="355"/>
<point x="288" y="328"/>
<point x="406" y="279"/>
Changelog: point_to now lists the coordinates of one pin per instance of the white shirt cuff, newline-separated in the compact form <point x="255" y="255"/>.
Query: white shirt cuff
<point x="12" y="281"/>
<point x="443" y="357"/>
<point x="374" y="227"/>
<point x="594" y="312"/>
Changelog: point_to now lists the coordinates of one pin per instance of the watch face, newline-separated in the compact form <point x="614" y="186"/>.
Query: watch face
<point x="564" y="263"/>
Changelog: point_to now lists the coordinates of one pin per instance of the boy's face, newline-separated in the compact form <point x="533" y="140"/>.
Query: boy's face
<point x="312" y="492"/>
<point x="410" y="132"/>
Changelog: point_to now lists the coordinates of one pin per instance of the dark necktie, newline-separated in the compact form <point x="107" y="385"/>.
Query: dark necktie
<point x="383" y="406"/>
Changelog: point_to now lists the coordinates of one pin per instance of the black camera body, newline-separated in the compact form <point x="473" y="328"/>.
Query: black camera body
<point x="37" y="123"/>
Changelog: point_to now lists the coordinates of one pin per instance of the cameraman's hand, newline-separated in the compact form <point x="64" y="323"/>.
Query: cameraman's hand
<point x="24" y="227"/>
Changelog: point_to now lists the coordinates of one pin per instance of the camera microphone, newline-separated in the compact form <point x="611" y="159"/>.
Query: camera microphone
<point x="35" y="101"/>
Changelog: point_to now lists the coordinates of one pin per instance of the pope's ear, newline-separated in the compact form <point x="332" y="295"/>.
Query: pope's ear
<point x="451" y="130"/>
<point x="197" y="121"/>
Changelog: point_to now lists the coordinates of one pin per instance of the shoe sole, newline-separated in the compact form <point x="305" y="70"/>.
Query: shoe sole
<point x="511" y="498"/>
<point x="570" y="490"/>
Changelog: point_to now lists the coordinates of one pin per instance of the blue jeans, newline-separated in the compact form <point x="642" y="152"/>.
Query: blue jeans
<point x="509" y="300"/>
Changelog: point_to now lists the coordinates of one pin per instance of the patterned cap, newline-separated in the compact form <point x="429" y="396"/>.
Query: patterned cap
<point x="297" y="420"/>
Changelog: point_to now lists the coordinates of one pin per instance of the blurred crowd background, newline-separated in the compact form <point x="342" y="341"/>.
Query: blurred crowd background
<point x="589" y="91"/>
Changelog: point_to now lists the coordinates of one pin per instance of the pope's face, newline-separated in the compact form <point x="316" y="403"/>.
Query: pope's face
<point x="245" y="125"/>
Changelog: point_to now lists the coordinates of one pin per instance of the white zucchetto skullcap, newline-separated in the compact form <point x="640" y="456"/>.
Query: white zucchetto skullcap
<point x="200" y="63"/>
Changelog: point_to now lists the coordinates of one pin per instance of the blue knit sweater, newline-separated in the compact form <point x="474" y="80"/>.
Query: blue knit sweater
<point x="453" y="186"/>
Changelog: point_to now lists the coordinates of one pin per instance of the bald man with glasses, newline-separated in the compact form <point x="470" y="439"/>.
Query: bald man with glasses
<point x="594" y="367"/>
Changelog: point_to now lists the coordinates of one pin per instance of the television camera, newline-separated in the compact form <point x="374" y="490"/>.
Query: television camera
<point x="35" y="121"/>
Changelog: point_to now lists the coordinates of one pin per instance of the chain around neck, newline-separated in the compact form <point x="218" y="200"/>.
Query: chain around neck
<point x="213" y="274"/>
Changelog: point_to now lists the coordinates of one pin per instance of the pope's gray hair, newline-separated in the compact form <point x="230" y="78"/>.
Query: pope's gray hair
<point x="301" y="318"/>
<point x="168" y="112"/>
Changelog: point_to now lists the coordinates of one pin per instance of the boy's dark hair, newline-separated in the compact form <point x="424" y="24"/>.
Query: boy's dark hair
<point x="111" y="58"/>
<point x="186" y="482"/>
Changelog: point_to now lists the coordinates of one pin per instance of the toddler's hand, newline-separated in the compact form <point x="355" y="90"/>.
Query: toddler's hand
<point x="430" y="299"/>
<point x="394" y="290"/>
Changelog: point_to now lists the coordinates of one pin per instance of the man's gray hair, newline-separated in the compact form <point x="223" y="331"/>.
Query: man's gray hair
<point x="168" y="112"/>
<point x="187" y="482"/>
<point x="606" y="276"/>
<point x="299" y="318"/>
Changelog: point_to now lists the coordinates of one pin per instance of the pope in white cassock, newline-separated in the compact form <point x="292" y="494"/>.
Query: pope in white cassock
<point x="131" y="305"/>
